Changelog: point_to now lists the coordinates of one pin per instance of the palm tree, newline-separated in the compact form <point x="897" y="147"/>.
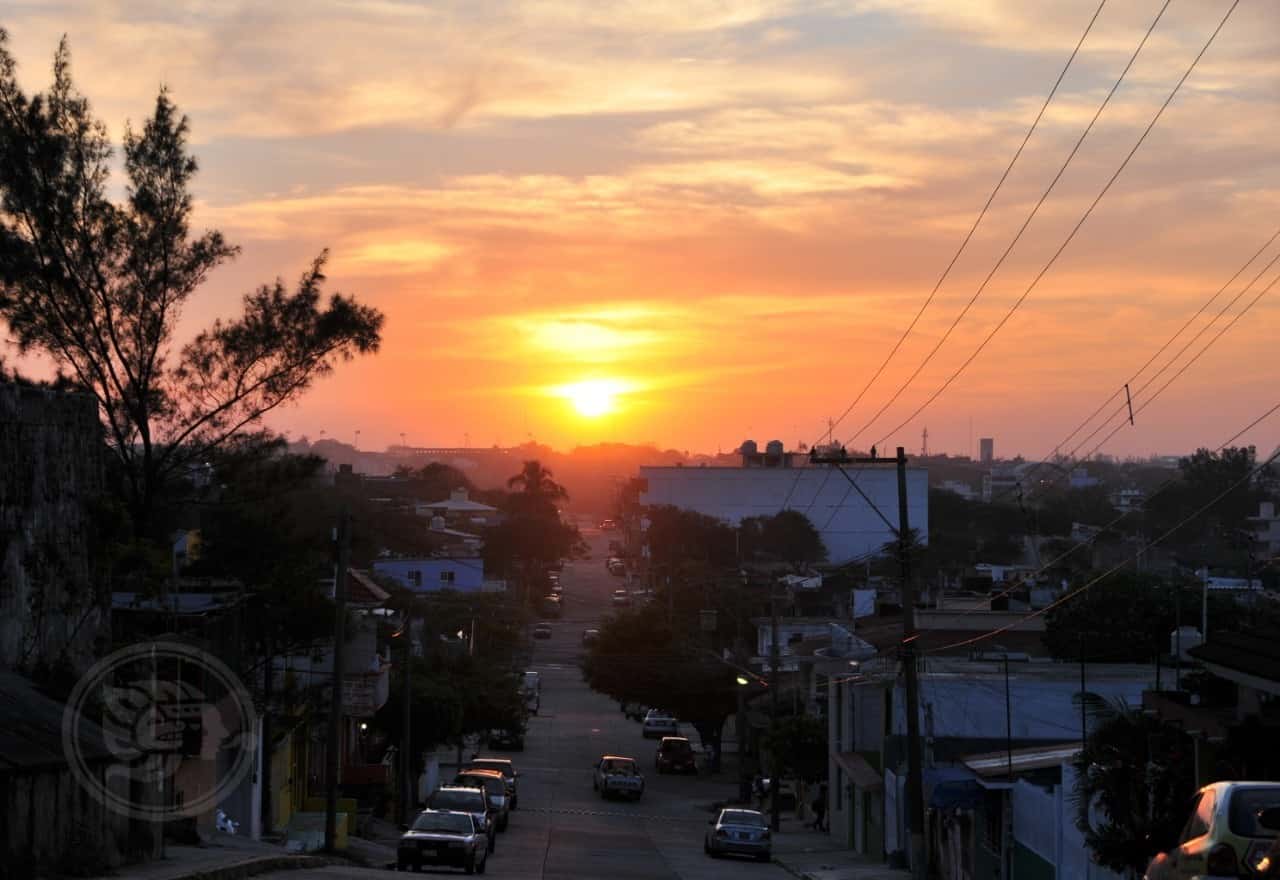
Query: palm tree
<point x="535" y="481"/>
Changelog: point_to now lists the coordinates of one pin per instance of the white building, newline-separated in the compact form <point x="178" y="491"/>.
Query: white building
<point x="1266" y="529"/>
<point x="768" y="484"/>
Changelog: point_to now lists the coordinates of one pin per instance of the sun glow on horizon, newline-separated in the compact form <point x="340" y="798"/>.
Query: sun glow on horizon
<point x="593" y="398"/>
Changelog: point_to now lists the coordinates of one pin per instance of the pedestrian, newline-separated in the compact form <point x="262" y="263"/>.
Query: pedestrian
<point x="820" y="809"/>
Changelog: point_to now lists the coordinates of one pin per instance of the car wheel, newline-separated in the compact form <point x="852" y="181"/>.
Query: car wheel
<point x="469" y="867"/>
<point x="764" y="857"/>
<point x="483" y="866"/>
<point x="402" y="866"/>
<point x="493" y="843"/>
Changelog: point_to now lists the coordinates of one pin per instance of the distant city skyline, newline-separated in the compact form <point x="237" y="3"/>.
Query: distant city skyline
<point x="700" y="222"/>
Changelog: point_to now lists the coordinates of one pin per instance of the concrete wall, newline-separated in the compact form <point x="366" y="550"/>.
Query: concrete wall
<point x="848" y="525"/>
<point x="51" y="470"/>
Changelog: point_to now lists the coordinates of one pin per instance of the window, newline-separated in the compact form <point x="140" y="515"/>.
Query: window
<point x="446" y="577"/>
<point x="415" y="578"/>
<point x="1201" y="817"/>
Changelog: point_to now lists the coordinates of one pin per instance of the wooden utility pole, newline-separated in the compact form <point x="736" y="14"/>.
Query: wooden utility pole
<point x="333" y="748"/>
<point x="775" y="802"/>
<point x="915" y="768"/>
<point x="406" y="729"/>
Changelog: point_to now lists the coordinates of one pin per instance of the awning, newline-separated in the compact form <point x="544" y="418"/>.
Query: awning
<point x="860" y="771"/>
<point x="997" y="764"/>
<point x="952" y="787"/>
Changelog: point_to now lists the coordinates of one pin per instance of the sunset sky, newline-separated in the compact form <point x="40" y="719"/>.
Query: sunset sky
<point x="699" y="221"/>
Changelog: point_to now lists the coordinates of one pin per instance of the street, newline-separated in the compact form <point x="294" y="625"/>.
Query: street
<point x="563" y="829"/>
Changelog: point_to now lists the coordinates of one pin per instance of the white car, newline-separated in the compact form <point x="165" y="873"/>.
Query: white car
<point x="658" y="724"/>
<point x="621" y="599"/>
<point x="1224" y="835"/>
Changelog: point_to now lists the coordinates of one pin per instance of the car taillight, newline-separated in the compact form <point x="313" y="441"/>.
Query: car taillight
<point x="1222" y="860"/>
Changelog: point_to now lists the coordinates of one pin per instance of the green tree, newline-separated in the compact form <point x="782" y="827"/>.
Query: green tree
<point x="535" y="481"/>
<point x="97" y="285"/>
<point x="639" y="659"/>
<point x="788" y="537"/>
<point x="1128" y="617"/>
<point x="1133" y="781"/>
<point x="798" y="744"/>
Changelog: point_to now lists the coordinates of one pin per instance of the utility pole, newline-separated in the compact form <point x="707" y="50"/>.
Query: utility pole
<point x="1008" y="721"/>
<point x="333" y="748"/>
<point x="915" y="768"/>
<point x="406" y="682"/>
<point x="1084" y="727"/>
<point x="775" y="802"/>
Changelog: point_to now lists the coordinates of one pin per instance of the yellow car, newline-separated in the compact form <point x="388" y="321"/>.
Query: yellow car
<point x="1224" y="836"/>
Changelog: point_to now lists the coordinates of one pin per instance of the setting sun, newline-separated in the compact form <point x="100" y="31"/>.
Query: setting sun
<point x="594" y="397"/>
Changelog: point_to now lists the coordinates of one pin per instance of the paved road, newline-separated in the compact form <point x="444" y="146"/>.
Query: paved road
<point x="563" y="831"/>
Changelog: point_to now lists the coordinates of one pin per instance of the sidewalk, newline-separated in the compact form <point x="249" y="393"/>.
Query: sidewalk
<point x="813" y="855"/>
<point x="223" y="858"/>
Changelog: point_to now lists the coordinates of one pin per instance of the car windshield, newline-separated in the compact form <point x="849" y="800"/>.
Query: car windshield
<point x="676" y="745"/>
<point x="655" y="715"/>
<point x="467" y="801"/>
<point x="491" y="784"/>
<point x="742" y="817"/>
<point x="501" y="766"/>
<point x="617" y="765"/>
<point x="453" y="823"/>
<point x="1246" y="803"/>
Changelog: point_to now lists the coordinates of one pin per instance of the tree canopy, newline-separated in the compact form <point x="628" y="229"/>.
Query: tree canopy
<point x="97" y="285"/>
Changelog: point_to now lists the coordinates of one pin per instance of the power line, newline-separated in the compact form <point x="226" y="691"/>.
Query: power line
<point x="1182" y="351"/>
<point x="1071" y="456"/>
<point x="1170" y="340"/>
<point x="1194" y="358"/>
<point x="978" y="220"/>
<point x="1106" y="574"/>
<point x="1075" y="230"/>
<point x="1022" y="229"/>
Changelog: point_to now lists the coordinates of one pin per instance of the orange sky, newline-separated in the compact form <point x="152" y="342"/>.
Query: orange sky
<point x="721" y="211"/>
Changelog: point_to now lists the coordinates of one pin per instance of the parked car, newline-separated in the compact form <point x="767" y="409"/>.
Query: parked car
<point x="550" y="606"/>
<point x="742" y="832"/>
<point x="531" y="682"/>
<point x="494" y="786"/>
<point x="542" y="630"/>
<point x="659" y="724"/>
<point x="590" y="636"/>
<point x="466" y="800"/>
<point x="675" y="755"/>
<point x="621" y="599"/>
<point x="439" y="837"/>
<point x="616" y="775"/>
<point x="616" y="566"/>
<point x="506" y="767"/>
<point x="1224" y="834"/>
<point x="508" y="739"/>
<point x="607" y="525"/>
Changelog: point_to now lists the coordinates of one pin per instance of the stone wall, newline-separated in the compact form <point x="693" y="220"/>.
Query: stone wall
<point x="51" y="472"/>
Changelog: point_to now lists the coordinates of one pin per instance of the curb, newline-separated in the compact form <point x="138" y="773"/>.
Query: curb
<point x="260" y="865"/>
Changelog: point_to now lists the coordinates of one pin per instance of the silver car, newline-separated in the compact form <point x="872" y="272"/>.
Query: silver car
<point x="740" y="832"/>
<point x="439" y="837"/>
<point x="494" y="787"/>
<point x="453" y="798"/>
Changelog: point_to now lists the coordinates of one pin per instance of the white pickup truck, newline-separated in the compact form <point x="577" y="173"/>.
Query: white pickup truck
<point x="618" y="777"/>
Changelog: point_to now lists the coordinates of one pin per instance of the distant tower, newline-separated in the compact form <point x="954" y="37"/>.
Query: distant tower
<point x="924" y="443"/>
<point x="987" y="449"/>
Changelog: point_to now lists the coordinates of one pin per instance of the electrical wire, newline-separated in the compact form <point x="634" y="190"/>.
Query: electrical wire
<point x="1074" y="231"/>
<point x="1022" y="229"/>
<point x="978" y="220"/>
<point x="1071" y="456"/>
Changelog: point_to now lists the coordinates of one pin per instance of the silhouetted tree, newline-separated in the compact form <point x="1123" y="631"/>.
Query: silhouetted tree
<point x="97" y="285"/>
